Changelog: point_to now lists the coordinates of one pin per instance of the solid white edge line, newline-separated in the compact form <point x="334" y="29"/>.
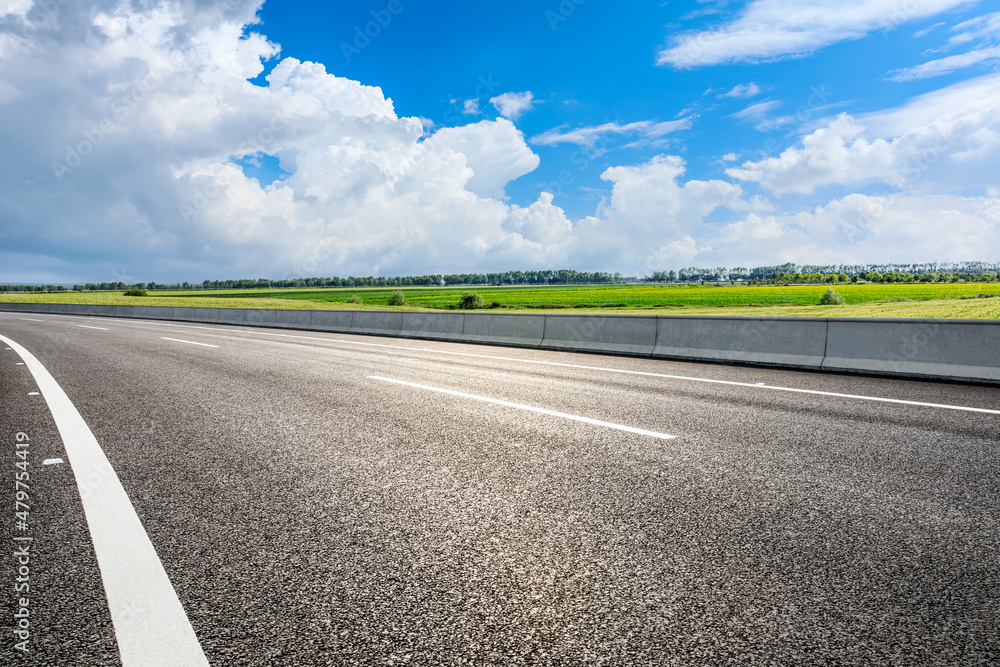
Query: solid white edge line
<point x="856" y="397"/>
<point x="150" y="624"/>
<point x="190" y="342"/>
<point x="530" y="408"/>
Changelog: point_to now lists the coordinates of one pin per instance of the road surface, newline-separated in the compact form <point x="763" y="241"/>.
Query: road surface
<point x="272" y="497"/>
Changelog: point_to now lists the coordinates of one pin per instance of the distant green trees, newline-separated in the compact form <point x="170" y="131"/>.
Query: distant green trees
<point x="782" y="274"/>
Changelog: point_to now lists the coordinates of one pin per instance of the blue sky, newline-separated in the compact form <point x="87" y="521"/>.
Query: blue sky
<point x="190" y="140"/>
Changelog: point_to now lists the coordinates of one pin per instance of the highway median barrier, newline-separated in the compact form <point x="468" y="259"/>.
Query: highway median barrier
<point x="377" y="322"/>
<point x="616" y="334"/>
<point x="940" y="349"/>
<point x="293" y="319"/>
<point x="339" y="321"/>
<point x="435" y="326"/>
<point x="964" y="350"/>
<point x="788" y="342"/>
<point x="511" y="329"/>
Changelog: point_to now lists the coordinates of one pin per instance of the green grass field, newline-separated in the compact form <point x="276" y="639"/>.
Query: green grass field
<point x="952" y="300"/>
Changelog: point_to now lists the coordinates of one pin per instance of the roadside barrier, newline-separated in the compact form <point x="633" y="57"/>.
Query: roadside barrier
<point x="964" y="350"/>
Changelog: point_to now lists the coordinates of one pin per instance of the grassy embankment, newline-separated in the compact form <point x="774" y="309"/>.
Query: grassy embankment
<point x="950" y="300"/>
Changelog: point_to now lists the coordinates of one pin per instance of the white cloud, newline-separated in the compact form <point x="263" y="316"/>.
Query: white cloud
<point x="130" y="122"/>
<point x="494" y="150"/>
<point x="18" y="8"/>
<point x="588" y="136"/>
<point x="743" y="90"/>
<point x="941" y="141"/>
<point x="127" y="147"/>
<point x="928" y="29"/>
<point x="859" y="229"/>
<point x="945" y="65"/>
<point x="513" y="105"/>
<point x="768" y="29"/>
<point x="652" y="207"/>
<point x="471" y="107"/>
<point x="759" y="114"/>
<point x="541" y="223"/>
<point x="983" y="27"/>
<point x="833" y="154"/>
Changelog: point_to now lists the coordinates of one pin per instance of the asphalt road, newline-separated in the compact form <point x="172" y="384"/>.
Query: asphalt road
<point x="317" y="499"/>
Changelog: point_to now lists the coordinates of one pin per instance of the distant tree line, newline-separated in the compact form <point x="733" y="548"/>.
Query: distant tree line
<point x="781" y="274"/>
<point x="32" y="288"/>
<point x="832" y="273"/>
<point x="549" y="277"/>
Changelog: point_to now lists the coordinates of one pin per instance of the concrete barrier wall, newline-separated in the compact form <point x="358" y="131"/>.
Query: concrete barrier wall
<point x="516" y="330"/>
<point x="955" y="349"/>
<point x="620" y="334"/>
<point x="436" y="326"/>
<point x="789" y="342"/>
<point x="966" y="350"/>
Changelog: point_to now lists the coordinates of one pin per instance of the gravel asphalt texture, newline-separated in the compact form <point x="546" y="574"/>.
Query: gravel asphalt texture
<point x="307" y="514"/>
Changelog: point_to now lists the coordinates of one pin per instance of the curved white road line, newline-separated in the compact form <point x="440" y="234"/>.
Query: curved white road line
<point x="150" y="624"/>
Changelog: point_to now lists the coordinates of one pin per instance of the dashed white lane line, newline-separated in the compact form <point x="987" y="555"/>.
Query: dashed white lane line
<point x="530" y="408"/>
<point x="28" y="319"/>
<point x="87" y="327"/>
<point x="190" y="342"/>
<point x="51" y="462"/>
<point x="150" y="624"/>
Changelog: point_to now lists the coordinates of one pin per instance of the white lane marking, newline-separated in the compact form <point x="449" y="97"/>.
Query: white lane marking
<point x="28" y="319"/>
<point x="51" y="462"/>
<point x="530" y="408"/>
<point x="32" y="393"/>
<point x="86" y="327"/>
<point x="857" y="397"/>
<point x="190" y="342"/>
<point x="150" y="624"/>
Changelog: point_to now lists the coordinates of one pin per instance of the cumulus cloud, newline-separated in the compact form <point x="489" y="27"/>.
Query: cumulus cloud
<point x="651" y="202"/>
<point x="471" y="107"/>
<point x="940" y="141"/>
<point x="513" y="105"/>
<point x="494" y="150"/>
<point x="768" y="29"/>
<point x="130" y="124"/>
<point x="588" y="136"/>
<point x="858" y="229"/>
